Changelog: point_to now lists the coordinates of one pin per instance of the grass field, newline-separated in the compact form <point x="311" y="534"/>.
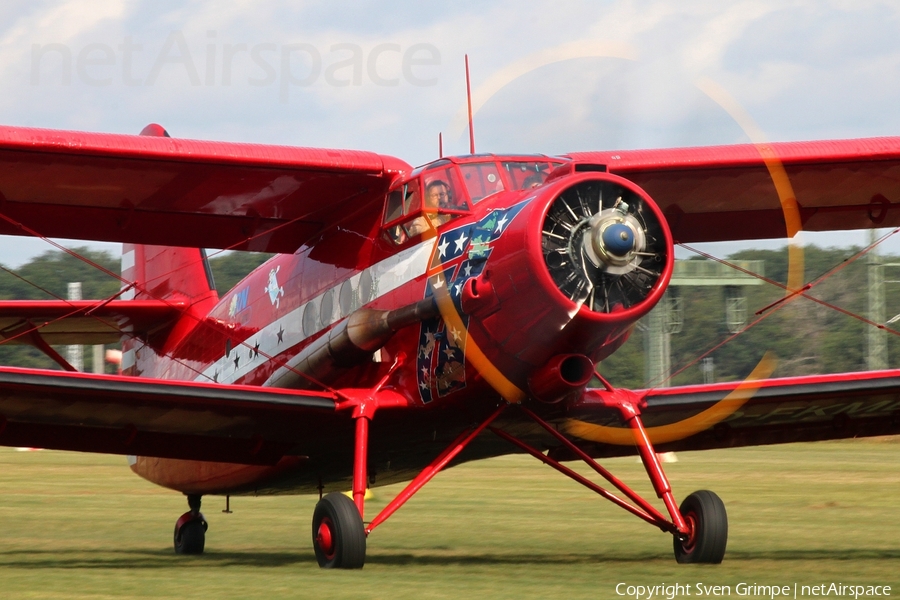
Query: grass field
<point x="82" y="526"/>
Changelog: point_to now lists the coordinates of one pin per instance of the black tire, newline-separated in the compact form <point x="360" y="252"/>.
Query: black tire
<point x="191" y="538"/>
<point x="339" y="536"/>
<point x="705" y="512"/>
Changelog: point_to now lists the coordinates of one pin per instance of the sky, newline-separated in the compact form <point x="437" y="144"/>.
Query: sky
<point x="557" y="78"/>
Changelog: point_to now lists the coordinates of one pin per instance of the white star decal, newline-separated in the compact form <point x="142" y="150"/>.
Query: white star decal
<point x="500" y="224"/>
<point x="461" y="241"/>
<point x="443" y="247"/>
<point x="468" y="269"/>
<point x="455" y="333"/>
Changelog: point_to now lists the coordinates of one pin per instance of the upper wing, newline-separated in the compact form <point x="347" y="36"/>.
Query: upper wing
<point x="168" y="419"/>
<point x="724" y="193"/>
<point x="172" y="192"/>
<point x="771" y="411"/>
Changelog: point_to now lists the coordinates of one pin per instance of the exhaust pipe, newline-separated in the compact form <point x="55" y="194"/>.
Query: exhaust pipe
<point x="351" y="342"/>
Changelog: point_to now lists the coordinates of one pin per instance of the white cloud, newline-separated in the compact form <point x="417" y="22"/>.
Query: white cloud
<point x="801" y="69"/>
<point x="703" y="50"/>
<point x="63" y="24"/>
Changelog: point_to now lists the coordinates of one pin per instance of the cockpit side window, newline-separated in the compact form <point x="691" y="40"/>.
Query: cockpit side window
<point x="402" y="200"/>
<point x="412" y="199"/>
<point x="526" y="175"/>
<point x="482" y="180"/>
<point x="411" y="212"/>
<point x="393" y="210"/>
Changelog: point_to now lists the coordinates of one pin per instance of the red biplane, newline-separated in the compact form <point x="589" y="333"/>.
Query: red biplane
<point x="407" y="311"/>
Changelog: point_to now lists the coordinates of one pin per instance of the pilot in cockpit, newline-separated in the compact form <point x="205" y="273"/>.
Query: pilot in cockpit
<point x="437" y="195"/>
<point x="532" y="181"/>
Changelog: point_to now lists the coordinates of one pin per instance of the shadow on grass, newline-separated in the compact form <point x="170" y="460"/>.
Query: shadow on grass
<point x="145" y="559"/>
<point x="165" y="559"/>
<point x="786" y="556"/>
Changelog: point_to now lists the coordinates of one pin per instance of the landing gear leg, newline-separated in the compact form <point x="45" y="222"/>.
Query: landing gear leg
<point x="339" y="536"/>
<point x="699" y="525"/>
<point x="338" y="532"/>
<point x="701" y="522"/>
<point x="190" y="529"/>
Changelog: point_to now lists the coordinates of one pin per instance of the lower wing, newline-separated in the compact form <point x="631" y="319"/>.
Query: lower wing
<point x="768" y="411"/>
<point x="168" y="419"/>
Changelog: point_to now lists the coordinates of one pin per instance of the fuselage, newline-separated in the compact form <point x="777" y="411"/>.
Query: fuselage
<point x="465" y="231"/>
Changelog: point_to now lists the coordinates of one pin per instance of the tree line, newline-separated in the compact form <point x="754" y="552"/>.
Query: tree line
<point x="804" y="336"/>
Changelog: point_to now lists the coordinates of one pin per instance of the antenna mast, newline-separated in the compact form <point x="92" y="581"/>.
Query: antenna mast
<point x="469" y="98"/>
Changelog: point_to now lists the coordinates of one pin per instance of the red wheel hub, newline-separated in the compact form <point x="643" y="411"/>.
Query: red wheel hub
<point x="690" y="520"/>
<point x="325" y="538"/>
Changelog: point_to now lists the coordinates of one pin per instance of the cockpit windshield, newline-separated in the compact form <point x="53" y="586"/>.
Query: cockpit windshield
<point x="524" y="175"/>
<point x="445" y="189"/>
<point x="482" y="180"/>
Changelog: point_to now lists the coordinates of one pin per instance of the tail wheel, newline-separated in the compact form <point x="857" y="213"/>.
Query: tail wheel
<point x="339" y="537"/>
<point x="705" y="515"/>
<point x="190" y="537"/>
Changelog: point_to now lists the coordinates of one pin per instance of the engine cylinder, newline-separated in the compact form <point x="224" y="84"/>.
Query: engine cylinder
<point x="606" y="245"/>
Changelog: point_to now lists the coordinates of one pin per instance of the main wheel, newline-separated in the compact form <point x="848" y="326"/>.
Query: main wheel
<point x="339" y="536"/>
<point x="705" y="515"/>
<point x="190" y="537"/>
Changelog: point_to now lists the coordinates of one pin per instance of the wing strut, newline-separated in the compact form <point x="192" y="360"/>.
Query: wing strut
<point x="428" y="473"/>
<point x="30" y="332"/>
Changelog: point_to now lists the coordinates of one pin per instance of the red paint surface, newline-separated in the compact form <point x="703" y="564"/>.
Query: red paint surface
<point x="324" y="210"/>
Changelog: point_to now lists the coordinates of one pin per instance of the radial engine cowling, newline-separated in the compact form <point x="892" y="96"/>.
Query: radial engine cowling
<point x="589" y="256"/>
<point x="606" y="246"/>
